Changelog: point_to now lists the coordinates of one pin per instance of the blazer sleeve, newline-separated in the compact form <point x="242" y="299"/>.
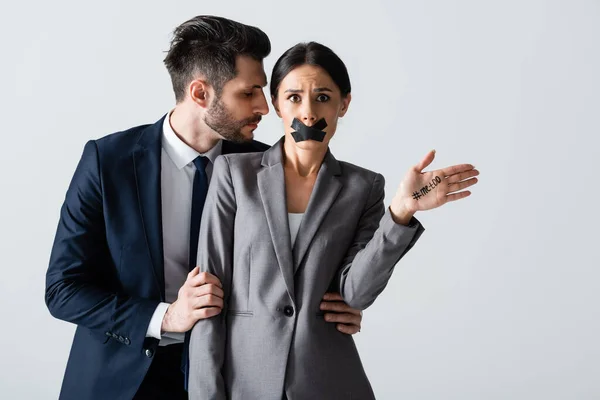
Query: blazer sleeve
<point x="215" y="255"/>
<point x="77" y="278"/>
<point x="379" y="243"/>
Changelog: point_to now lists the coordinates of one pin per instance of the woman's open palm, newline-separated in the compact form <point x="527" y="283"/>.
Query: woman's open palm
<point x="421" y="191"/>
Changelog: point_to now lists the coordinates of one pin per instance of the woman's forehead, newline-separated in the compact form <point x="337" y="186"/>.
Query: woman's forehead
<point x="307" y="75"/>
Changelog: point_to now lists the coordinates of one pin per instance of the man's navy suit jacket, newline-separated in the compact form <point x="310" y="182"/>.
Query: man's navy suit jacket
<point x="106" y="268"/>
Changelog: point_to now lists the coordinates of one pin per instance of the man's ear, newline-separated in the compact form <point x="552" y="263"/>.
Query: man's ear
<point x="200" y="92"/>
<point x="274" y="102"/>
<point x="345" y="104"/>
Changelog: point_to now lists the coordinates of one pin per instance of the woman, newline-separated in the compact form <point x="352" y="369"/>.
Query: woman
<point x="283" y="227"/>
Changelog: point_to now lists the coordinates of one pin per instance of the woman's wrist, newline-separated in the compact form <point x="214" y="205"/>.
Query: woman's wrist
<point x="400" y="214"/>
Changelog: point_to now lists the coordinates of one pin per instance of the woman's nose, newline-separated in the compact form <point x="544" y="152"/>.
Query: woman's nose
<point x="308" y="115"/>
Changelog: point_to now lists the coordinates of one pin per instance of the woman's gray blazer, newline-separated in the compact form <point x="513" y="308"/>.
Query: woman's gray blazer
<point x="271" y="337"/>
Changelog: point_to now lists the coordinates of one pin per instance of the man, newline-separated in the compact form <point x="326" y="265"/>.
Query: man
<point x="123" y="262"/>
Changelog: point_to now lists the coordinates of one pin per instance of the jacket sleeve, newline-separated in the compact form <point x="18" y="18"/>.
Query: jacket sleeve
<point x="378" y="245"/>
<point x="78" y="276"/>
<point x="215" y="255"/>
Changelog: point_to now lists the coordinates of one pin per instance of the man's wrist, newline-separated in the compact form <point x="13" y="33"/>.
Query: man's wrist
<point x="155" y="326"/>
<point x="166" y="321"/>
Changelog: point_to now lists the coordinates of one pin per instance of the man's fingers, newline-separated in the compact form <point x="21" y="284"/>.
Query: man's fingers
<point x="204" y="313"/>
<point x="193" y="272"/>
<point x="348" y="329"/>
<point x="343" y="318"/>
<point x="332" y="296"/>
<point x="203" y="278"/>
<point x="208" y="300"/>
<point x="209" y="288"/>
<point x="339" y="307"/>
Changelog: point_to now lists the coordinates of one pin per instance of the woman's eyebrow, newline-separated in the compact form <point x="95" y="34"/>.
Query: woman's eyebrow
<point x="319" y="89"/>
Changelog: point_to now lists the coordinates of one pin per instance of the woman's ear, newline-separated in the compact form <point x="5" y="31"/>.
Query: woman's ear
<point x="200" y="92"/>
<point x="345" y="104"/>
<point x="274" y="102"/>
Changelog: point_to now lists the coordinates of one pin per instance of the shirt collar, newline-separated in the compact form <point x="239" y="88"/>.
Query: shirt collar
<point x="180" y="153"/>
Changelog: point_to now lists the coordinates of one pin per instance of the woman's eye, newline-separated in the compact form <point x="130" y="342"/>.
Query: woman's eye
<point x="294" y="98"/>
<point x="322" y="98"/>
<point x="248" y="94"/>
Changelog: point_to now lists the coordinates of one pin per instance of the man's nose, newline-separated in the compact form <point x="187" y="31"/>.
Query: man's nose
<point x="261" y="107"/>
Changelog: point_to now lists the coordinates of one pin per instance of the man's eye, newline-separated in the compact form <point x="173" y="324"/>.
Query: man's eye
<point x="322" y="98"/>
<point x="294" y="98"/>
<point x="248" y="94"/>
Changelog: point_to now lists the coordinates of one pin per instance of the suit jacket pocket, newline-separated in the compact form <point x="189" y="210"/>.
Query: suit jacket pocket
<point x="240" y="313"/>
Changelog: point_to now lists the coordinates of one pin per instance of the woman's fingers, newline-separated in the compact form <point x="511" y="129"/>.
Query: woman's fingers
<point x="457" y="196"/>
<point x="455" y="187"/>
<point x="457" y="169"/>
<point x="462" y="176"/>
<point x="428" y="159"/>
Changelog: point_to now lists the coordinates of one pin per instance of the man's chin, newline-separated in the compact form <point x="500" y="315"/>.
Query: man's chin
<point x="240" y="137"/>
<point x="247" y="133"/>
<point x="246" y="137"/>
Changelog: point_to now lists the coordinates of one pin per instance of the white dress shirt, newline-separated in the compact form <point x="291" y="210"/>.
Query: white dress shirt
<point x="176" y="178"/>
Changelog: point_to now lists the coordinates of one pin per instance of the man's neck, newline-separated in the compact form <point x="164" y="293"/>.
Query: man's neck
<point x="192" y="130"/>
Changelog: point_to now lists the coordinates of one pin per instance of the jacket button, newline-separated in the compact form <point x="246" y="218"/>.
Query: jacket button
<point x="149" y="353"/>
<point x="288" y="311"/>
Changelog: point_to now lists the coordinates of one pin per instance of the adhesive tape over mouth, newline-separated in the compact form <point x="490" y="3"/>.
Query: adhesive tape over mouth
<point x="303" y="132"/>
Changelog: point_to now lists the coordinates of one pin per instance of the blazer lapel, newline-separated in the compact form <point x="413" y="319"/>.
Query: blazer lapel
<point x="147" y="165"/>
<point x="271" y="185"/>
<point x="325" y="191"/>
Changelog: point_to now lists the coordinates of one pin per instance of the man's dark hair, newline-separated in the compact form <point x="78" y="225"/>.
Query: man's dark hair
<point x="311" y="53"/>
<point x="209" y="45"/>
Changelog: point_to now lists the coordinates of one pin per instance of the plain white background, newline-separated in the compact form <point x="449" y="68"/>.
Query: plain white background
<point x="499" y="299"/>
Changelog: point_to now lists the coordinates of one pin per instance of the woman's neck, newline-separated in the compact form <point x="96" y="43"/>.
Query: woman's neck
<point x="303" y="162"/>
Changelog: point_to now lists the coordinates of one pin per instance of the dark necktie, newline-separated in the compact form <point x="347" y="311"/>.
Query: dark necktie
<point x="199" y="190"/>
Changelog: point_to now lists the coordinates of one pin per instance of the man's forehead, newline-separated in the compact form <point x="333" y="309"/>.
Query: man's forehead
<point x="254" y="80"/>
<point x="250" y="72"/>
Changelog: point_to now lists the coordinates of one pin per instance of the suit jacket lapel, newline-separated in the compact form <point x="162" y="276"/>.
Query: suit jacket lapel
<point x="147" y="165"/>
<point x="250" y="147"/>
<point x="325" y="191"/>
<point x="271" y="184"/>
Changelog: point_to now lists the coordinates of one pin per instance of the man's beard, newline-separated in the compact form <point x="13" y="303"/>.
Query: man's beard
<point x="220" y="120"/>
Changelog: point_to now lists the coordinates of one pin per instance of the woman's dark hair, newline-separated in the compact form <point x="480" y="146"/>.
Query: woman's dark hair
<point x="311" y="53"/>
<point x="209" y="45"/>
